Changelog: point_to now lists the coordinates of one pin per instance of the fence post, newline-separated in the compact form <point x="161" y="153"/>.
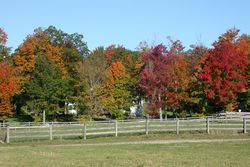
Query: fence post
<point x="50" y="132"/>
<point x="207" y="125"/>
<point x="146" y="125"/>
<point x="44" y="119"/>
<point x="85" y="131"/>
<point x="244" y="125"/>
<point x="116" y="128"/>
<point x="8" y="134"/>
<point x="177" y="126"/>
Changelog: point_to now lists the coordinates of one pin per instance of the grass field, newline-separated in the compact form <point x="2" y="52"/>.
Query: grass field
<point x="234" y="153"/>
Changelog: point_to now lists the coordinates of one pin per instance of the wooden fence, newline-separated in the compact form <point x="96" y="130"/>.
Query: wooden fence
<point x="54" y="130"/>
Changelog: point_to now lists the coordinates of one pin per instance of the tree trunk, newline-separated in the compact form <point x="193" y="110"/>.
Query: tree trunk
<point x="160" y="112"/>
<point x="160" y="109"/>
<point x="166" y="115"/>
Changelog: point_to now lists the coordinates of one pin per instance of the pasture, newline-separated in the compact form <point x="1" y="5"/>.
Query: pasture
<point x="134" y="151"/>
<point x="136" y="144"/>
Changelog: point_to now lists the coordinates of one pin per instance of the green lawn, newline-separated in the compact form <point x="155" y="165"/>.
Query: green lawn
<point x="132" y="137"/>
<point x="183" y="154"/>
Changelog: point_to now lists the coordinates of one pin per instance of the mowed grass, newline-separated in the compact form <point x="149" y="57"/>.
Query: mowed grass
<point x="223" y="154"/>
<point x="131" y="137"/>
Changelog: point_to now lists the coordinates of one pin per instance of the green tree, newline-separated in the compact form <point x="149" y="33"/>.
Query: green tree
<point x="195" y="90"/>
<point x="73" y="50"/>
<point x="72" y="46"/>
<point x="25" y="57"/>
<point x="48" y="90"/>
<point x="62" y="39"/>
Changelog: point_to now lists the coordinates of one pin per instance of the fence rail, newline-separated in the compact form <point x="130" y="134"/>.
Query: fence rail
<point x="52" y="130"/>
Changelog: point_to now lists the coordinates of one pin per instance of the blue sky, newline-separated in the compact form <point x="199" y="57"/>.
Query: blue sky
<point x="126" y="22"/>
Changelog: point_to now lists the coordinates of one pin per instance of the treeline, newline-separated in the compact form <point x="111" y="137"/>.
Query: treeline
<point x="52" y="69"/>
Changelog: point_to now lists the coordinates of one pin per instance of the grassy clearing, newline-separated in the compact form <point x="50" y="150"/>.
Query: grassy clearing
<point x="224" y="154"/>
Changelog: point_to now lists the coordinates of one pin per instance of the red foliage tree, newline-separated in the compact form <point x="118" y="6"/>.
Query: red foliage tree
<point x="110" y="51"/>
<point x="165" y="78"/>
<point x="152" y="78"/>
<point x="223" y="71"/>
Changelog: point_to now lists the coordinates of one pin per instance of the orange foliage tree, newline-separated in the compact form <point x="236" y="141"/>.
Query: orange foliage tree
<point x="9" y="81"/>
<point x="177" y="80"/>
<point x="27" y="58"/>
<point x="115" y="95"/>
<point x="35" y="45"/>
<point x="9" y="86"/>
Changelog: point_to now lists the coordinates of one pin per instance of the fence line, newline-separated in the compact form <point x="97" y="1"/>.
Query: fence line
<point x="54" y="130"/>
<point x="5" y="124"/>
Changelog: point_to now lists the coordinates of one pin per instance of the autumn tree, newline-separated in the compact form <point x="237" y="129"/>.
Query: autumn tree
<point x="4" y="51"/>
<point x="9" y="86"/>
<point x="9" y="80"/>
<point x="128" y="58"/>
<point x="115" y="94"/>
<point x="3" y="37"/>
<point x="152" y="77"/>
<point x="243" y="44"/>
<point x="26" y="58"/>
<point x="98" y="79"/>
<point x="194" y="56"/>
<point x="131" y="61"/>
<point x="223" y="71"/>
<point x="165" y="78"/>
<point x="177" y="80"/>
<point x="34" y="45"/>
<point x="73" y="50"/>
<point x="92" y="72"/>
<point x="197" y="100"/>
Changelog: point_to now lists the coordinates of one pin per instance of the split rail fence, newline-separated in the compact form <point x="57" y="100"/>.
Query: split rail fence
<point x="52" y="130"/>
